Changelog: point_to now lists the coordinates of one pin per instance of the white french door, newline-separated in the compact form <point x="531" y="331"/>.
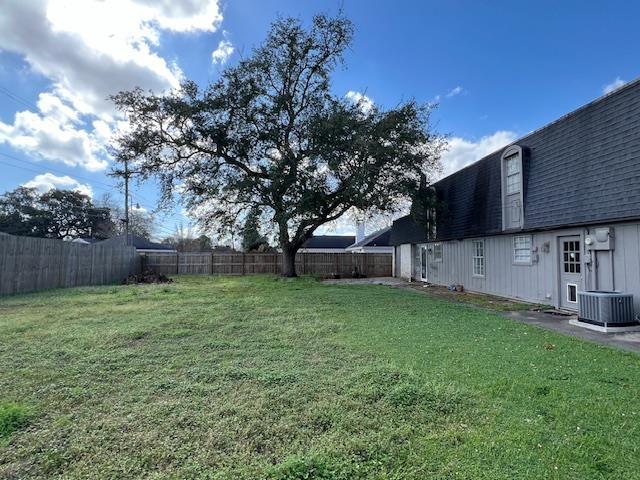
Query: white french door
<point x="424" y="252"/>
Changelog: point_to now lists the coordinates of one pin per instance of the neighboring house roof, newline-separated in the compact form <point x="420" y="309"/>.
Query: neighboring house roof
<point x="376" y="239"/>
<point x="580" y="169"/>
<point x="407" y="230"/>
<point x="142" y="243"/>
<point x="86" y="241"/>
<point x="329" y="241"/>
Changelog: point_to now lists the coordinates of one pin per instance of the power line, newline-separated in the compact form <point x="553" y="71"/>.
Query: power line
<point x="54" y="169"/>
<point x="17" y="98"/>
<point x="27" y="103"/>
<point x="67" y="173"/>
<point x="161" y="227"/>
<point x="40" y="171"/>
<point x="75" y="176"/>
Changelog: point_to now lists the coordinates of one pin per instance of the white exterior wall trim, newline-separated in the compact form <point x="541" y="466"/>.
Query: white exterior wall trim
<point x="539" y="281"/>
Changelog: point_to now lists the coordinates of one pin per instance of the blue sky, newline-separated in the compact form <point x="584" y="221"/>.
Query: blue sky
<point x="497" y="69"/>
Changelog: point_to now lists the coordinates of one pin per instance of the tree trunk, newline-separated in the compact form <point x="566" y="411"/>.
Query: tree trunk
<point x="289" y="262"/>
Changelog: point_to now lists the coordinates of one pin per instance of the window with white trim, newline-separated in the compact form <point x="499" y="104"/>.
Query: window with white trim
<point x="522" y="249"/>
<point x="437" y="252"/>
<point x="512" y="170"/>
<point x="431" y="223"/>
<point x="512" y="188"/>
<point x="478" y="258"/>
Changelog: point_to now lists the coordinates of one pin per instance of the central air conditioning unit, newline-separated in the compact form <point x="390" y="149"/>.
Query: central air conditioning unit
<point x="606" y="309"/>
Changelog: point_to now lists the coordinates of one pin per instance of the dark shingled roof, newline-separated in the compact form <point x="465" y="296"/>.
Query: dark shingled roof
<point x="142" y="243"/>
<point x="583" y="168"/>
<point x="407" y="230"/>
<point x="329" y="241"/>
<point x="375" y="239"/>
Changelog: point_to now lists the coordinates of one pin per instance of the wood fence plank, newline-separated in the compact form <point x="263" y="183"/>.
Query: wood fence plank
<point x="29" y="264"/>
<point x="325" y="264"/>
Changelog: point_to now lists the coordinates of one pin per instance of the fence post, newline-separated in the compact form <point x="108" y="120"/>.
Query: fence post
<point x="243" y="264"/>
<point x="211" y="255"/>
<point x="177" y="263"/>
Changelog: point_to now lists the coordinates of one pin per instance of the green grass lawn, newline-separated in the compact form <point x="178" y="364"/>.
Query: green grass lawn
<point x="248" y="378"/>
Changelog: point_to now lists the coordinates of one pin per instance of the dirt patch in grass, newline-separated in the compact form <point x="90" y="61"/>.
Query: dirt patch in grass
<point x="477" y="299"/>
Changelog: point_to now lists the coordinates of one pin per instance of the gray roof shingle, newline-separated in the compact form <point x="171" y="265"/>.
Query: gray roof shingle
<point x="329" y="241"/>
<point x="583" y="168"/>
<point x="379" y="238"/>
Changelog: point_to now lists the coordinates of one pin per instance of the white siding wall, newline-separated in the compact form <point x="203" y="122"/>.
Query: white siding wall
<point x="537" y="282"/>
<point x="626" y="262"/>
<point x="406" y="261"/>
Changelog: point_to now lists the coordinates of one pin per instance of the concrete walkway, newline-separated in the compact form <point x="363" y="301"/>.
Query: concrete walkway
<point x="558" y="323"/>
<point x="391" y="281"/>
<point x="627" y="341"/>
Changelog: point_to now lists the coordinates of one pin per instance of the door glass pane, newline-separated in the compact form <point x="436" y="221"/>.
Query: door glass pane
<point x="571" y="256"/>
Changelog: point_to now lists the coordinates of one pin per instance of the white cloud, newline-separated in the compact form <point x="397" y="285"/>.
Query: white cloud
<point x="462" y="152"/>
<point x="610" y="87"/>
<point x="454" y="91"/>
<point x="365" y="103"/>
<point x="89" y="50"/>
<point x="48" y="181"/>
<point x="183" y="16"/>
<point x="221" y="54"/>
<point x="56" y="134"/>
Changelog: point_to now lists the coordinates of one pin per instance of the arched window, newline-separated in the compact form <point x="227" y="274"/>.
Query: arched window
<point x="512" y="208"/>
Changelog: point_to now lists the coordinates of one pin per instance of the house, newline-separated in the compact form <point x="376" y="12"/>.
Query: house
<point x="327" y="244"/>
<point x="144" y="245"/>
<point x="86" y="241"/>
<point x="377" y="242"/>
<point x="554" y="213"/>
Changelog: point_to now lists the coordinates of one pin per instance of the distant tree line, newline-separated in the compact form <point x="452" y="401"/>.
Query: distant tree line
<point x="53" y="214"/>
<point x="185" y="240"/>
<point x="68" y="214"/>
<point x="65" y="214"/>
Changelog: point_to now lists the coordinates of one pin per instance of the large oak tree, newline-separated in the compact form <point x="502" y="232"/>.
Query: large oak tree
<point x="53" y="214"/>
<point x="270" y="135"/>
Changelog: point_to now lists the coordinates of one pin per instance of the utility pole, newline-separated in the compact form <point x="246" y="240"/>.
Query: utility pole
<point x="126" y="201"/>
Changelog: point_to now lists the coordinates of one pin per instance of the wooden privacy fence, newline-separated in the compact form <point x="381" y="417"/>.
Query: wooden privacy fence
<point x="343" y="264"/>
<point x="28" y="264"/>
